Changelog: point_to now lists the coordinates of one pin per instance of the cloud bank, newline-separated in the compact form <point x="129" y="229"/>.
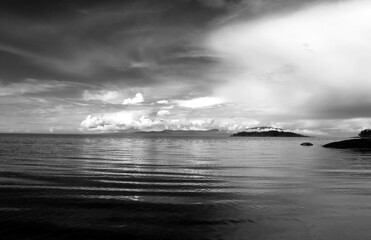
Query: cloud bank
<point x="311" y="63"/>
<point x="146" y="121"/>
<point x="200" y="102"/>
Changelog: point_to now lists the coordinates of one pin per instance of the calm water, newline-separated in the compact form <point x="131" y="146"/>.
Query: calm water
<point x="54" y="186"/>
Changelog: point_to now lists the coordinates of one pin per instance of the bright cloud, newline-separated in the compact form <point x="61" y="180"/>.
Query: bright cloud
<point x="313" y="62"/>
<point x="200" y="102"/>
<point x="145" y="120"/>
<point x="113" y="97"/>
<point x="138" y="98"/>
<point x="115" y="121"/>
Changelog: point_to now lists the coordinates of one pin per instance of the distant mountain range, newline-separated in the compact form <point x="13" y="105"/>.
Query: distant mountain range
<point x="212" y="132"/>
<point x="181" y="131"/>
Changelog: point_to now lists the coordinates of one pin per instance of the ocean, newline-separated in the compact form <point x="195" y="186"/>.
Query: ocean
<point x="157" y="187"/>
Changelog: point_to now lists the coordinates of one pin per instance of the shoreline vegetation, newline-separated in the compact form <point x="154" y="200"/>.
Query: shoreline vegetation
<point x="266" y="132"/>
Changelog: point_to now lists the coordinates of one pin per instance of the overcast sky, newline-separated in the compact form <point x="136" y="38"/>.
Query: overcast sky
<point x="72" y="66"/>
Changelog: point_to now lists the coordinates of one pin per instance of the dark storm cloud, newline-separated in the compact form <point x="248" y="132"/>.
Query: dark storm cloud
<point x="130" y="41"/>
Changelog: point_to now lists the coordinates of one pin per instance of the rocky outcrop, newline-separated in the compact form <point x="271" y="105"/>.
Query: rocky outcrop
<point x="360" y="143"/>
<point x="364" y="142"/>
<point x="307" y="144"/>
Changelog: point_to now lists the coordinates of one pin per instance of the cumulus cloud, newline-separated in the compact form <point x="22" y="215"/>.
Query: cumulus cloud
<point x="145" y="120"/>
<point x="111" y="122"/>
<point x="138" y="98"/>
<point x="112" y="96"/>
<point x="309" y="63"/>
<point x="200" y="102"/>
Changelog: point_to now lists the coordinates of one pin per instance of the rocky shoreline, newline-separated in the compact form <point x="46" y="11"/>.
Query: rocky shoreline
<point x="363" y="142"/>
<point x="360" y="143"/>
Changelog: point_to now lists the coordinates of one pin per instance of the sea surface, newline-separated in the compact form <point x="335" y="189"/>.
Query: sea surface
<point x="156" y="187"/>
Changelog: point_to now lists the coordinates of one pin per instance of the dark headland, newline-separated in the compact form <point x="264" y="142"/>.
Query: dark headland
<point x="363" y="142"/>
<point x="266" y="132"/>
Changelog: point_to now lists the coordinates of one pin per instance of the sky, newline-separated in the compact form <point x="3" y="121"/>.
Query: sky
<point x="115" y="66"/>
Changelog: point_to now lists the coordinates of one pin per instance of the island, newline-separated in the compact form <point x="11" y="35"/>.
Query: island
<point x="266" y="132"/>
<point x="362" y="142"/>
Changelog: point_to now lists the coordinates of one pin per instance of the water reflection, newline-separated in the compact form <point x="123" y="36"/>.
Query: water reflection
<point x="168" y="188"/>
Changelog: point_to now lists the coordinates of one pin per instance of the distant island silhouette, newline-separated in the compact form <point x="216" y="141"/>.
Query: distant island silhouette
<point x="168" y="131"/>
<point x="184" y="133"/>
<point x="266" y="132"/>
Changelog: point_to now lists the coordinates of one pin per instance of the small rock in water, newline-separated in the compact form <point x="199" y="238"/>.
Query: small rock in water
<point x="306" y="144"/>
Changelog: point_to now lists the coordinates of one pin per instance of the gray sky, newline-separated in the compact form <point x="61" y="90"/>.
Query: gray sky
<point x="108" y="66"/>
